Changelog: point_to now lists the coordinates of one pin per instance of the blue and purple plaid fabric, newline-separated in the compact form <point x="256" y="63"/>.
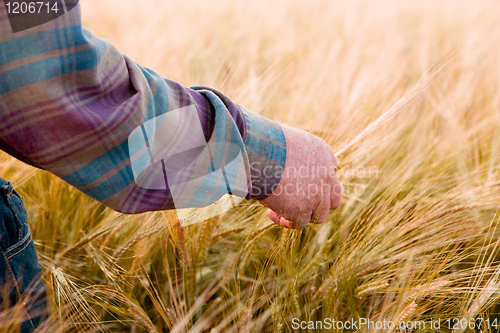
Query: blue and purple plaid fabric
<point x="69" y="102"/>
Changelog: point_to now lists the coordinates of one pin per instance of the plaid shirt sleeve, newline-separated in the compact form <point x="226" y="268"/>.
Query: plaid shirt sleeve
<point x="72" y="104"/>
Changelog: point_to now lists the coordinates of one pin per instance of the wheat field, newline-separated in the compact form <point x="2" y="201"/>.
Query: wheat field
<point x="417" y="236"/>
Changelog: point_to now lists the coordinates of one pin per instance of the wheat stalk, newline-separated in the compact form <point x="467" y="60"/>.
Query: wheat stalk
<point x="326" y="287"/>
<point x="181" y="242"/>
<point x="276" y="317"/>
<point x="481" y="300"/>
<point x="79" y="311"/>
<point x="224" y="234"/>
<point x="204" y="239"/>
<point x="369" y="288"/>
<point x="254" y="238"/>
<point x="244" y="322"/>
<point x="417" y="90"/>
<point x="118" y="253"/>
<point x="140" y="316"/>
<point x="80" y="244"/>
<point x="407" y="312"/>
<point x="421" y="291"/>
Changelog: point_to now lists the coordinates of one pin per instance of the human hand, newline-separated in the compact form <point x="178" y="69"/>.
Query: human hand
<point x="309" y="187"/>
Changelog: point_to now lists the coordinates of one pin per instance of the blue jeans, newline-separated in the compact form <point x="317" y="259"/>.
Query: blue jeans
<point x="20" y="272"/>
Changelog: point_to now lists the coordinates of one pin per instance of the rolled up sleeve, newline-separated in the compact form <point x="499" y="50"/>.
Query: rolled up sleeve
<point x="73" y="104"/>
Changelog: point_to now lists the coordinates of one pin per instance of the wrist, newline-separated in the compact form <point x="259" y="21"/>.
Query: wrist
<point x="265" y="145"/>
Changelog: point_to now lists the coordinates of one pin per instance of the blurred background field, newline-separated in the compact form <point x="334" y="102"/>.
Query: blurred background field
<point x="417" y="236"/>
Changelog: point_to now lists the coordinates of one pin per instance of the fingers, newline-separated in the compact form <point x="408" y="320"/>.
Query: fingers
<point x="275" y="217"/>
<point x="303" y="220"/>
<point x="310" y="189"/>
<point x="282" y="222"/>
<point x="288" y="224"/>
<point x="317" y="217"/>
<point x="299" y="220"/>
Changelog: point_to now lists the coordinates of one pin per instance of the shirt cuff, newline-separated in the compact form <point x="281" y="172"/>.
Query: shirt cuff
<point x="265" y="144"/>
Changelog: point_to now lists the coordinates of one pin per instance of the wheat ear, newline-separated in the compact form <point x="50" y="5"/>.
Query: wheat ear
<point x="417" y="90"/>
